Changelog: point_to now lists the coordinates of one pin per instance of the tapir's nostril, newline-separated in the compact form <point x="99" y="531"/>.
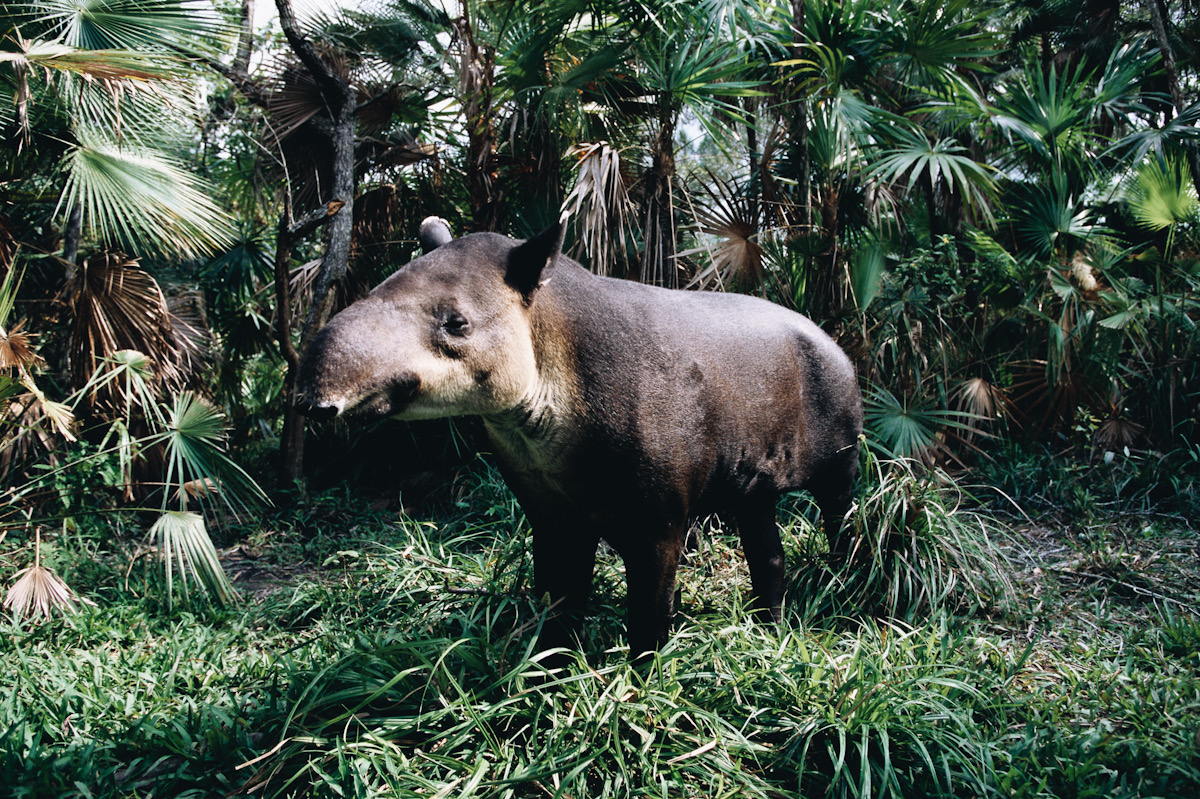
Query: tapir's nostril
<point x="318" y="412"/>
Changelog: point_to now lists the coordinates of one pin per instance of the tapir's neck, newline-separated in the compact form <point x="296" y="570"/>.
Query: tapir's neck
<point x="539" y="429"/>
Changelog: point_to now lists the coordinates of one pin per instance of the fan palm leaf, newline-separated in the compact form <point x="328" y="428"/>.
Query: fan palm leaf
<point x="943" y="160"/>
<point x="731" y="215"/>
<point x="1048" y="219"/>
<point x="117" y="306"/>
<point x="695" y="68"/>
<point x="599" y="206"/>
<point x="187" y="552"/>
<point x="194" y="440"/>
<point x="161" y="25"/>
<point x="1162" y="195"/>
<point x="901" y="427"/>
<point x="141" y="200"/>
<point x="1178" y="132"/>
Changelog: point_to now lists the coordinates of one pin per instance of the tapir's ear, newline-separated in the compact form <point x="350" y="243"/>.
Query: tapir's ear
<point x="531" y="264"/>
<point x="434" y="232"/>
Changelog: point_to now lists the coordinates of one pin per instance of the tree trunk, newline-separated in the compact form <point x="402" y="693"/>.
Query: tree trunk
<point x="754" y="163"/>
<point x="800" y="130"/>
<point x="476" y="83"/>
<point x="245" y="46"/>
<point x="658" y="258"/>
<point x="1158" y="21"/>
<point x="71" y="233"/>
<point x="338" y="213"/>
<point x="291" y="442"/>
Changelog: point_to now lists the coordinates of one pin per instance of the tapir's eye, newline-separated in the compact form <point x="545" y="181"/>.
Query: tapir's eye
<point x="456" y="324"/>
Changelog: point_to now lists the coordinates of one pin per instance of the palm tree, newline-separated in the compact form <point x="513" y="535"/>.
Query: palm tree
<point x="100" y="97"/>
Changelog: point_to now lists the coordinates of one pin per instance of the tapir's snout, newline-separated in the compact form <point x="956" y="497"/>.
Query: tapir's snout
<point x="318" y="411"/>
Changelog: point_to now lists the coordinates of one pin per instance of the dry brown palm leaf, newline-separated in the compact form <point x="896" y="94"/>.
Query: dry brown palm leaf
<point x="118" y="306"/>
<point x="377" y="212"/>
<point x="295" y="96"/>
<point x="599" y="206"/>
<point x="16" y="349"/>
<point x="982" y="398"/>
<point x="737" y="258"/>
<point x="32" y="429"/>
<point x="775" y="202"/>
<point x="194" y="345"/>
<point x="1116" y="433"/>
<point x="1041" y="402"/>
<point x="38" y="591"/>
<point x="8" y="244"/>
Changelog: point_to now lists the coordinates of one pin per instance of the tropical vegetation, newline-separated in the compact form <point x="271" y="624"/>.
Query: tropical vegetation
<point x="993" y="207"/>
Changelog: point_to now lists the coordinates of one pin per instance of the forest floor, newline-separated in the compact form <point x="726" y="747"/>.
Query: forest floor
<point x="377" y="654"/>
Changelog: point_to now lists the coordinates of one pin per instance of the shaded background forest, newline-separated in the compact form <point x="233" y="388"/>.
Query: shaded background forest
<point x="992" y="206"/>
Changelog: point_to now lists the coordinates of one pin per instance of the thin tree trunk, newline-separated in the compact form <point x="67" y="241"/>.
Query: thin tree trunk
<point x="291" y="443"/>
<point x="658" y="257"/>
<point x="1158" y="21"/>
<point x="752" y="149"/>
<point x="801" y="121"/>
<point x="241" y="60"/>
<point x="337" y="213"/>
<point x="476" y="79"/>
<point x="71" y="233"/>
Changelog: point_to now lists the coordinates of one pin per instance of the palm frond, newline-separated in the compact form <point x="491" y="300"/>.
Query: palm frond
<point x="943" y="160"/>
<point x="187" y="551"/>
<point x="599" y="206"/>
<point x="194" y="441"/>
<point x="732" y="215"/>
<point x="122" y="382"/>
<point x="1048" y="219"/>
<point x="1162" y="195"/>
<point x="39" y="592"/>
<point x="1178" y="132"/>
<point x="117" y="306"/>
<point x="194" y="345"/>
<point x="139" y="199"/>
<point x="16" y="350"/>
<point x="139" y="25"/>
<point x="867" y="267"/>
<point x="901" y="427"/>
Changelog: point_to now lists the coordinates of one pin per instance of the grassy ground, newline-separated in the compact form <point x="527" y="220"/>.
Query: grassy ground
<point x="381" y="655"/>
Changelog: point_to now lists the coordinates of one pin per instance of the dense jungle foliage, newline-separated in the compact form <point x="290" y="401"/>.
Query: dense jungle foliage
<point x="992" y="206"/>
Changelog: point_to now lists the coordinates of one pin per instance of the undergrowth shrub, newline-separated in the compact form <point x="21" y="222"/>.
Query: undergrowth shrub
<point x="915" y="548"/>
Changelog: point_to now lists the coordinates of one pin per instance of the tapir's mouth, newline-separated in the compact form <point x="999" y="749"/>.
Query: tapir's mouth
<point x="386" y="400"/>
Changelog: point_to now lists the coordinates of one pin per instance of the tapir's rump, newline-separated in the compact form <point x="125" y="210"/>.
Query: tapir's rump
<point x="616" y="410"/>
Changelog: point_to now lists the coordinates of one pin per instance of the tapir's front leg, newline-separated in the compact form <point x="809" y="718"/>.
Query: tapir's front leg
<point x="650" y="567"/>
<point x="563" y="563"/>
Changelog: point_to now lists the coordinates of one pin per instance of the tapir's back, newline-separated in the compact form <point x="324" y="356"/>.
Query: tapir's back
<point x="726" y="393"/>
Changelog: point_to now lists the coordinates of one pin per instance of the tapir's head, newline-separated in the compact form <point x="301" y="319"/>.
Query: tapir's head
<point x="449" y="334"/>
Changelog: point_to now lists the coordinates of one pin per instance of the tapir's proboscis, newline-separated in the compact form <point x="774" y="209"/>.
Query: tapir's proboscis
<point x="617" y="411"/>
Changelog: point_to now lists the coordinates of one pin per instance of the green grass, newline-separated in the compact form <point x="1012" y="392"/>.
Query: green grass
<point x="385" y="656"/>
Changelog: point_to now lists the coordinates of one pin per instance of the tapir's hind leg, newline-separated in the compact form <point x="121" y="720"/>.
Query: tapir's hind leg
<point x="759" y="532"/>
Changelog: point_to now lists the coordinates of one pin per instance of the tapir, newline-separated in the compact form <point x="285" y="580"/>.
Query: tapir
<point x="616" y="410"/>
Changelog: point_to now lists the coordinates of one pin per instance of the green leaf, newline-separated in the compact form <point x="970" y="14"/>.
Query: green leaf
<point x="197" y="464"/>
<point x="1162" y="195"/>
<point x="161" y="25"/>
<point x="141" y="200"/>
<point x="186" y="550"/>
